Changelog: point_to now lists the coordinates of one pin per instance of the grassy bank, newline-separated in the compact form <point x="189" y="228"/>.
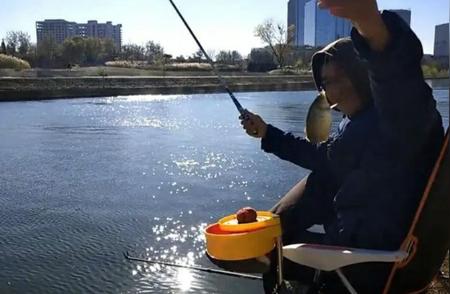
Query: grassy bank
<point x="31" y="84"/>
<point x="111" y="71"/>
<point x="32" y="88"/>
<point x="96" y="71"/>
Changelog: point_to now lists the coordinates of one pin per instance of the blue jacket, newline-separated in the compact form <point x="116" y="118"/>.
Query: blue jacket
<point x="367" y="179"/>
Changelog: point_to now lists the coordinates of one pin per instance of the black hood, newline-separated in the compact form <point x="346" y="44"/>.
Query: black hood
<point x="343" y="53"/>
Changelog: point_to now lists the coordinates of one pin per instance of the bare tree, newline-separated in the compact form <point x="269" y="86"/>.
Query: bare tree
<point x="229" y="57"/>
<point x="154" y="52"/>
<point x="132" y="52"/>
<point x="277" y="37"/>
<point x="17" y="43"/>
<point x="12" y="42"/>
<point x="24" y="41"/>
<point x="211" y="53"/>
<point x="197" y="56"/>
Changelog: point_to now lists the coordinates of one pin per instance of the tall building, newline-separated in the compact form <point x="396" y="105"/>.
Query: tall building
<point x="321" y="27"/>
<point x="57" y="29"/>
<point x="60" y="29"/>
<point x="441" y="44"/>
<point x="405" y="14"/>
<point x="317" y="27"/>
<point x="314" y="26"/>
<point x="296" y="18"/>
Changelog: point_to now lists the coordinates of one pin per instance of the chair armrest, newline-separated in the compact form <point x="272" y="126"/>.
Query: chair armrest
<point x="316" y="229"/>
<point x="330" y="258"/>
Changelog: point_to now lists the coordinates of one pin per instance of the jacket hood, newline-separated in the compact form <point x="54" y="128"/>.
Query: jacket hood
<point x="343" y="53"/>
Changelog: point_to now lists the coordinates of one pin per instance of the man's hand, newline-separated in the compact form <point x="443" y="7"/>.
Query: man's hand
<point x="253" y="124"/>
<point x="365" y="17"/>
<point x="354" y="10"/>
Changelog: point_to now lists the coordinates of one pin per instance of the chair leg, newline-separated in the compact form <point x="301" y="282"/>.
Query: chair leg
<point x="316" y="276"/>
<point x="279" y="245"/>
<point x="346" y="282"/>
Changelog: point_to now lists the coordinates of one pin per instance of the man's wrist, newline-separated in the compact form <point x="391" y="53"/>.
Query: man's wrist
<point x="374" y="30"/>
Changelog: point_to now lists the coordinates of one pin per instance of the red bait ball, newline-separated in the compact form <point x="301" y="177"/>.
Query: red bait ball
<point x="246" y="215"/>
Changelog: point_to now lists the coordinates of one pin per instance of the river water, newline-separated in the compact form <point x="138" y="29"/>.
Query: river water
<point x="84" y="180"/>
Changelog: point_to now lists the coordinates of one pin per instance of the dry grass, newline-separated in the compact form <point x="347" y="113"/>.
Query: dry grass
<point x="115" y="71"/>
<point x="7" y="61"/>
<point x="171" y="66"/>
<point x="193" y="66"/>
<point x="186" y="66"/>
<point x="128" y="64"/>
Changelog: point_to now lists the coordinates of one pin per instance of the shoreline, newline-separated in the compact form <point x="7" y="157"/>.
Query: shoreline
<point x="46" y="88"/>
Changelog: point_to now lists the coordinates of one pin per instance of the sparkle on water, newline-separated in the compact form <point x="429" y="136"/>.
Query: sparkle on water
<point x="86" y="179"/>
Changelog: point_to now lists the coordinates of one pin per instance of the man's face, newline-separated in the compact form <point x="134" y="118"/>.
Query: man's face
<point x="339" y="89"/>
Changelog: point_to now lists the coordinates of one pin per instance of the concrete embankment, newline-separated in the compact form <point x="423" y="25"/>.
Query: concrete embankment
<point x="26" y="88"/>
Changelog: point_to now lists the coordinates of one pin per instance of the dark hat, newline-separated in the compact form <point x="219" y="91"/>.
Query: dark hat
<point x="343" y="53"/>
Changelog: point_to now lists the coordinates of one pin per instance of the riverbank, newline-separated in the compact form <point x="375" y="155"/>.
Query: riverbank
<point x="39" y="88"/>
<point x="101" y="81"/>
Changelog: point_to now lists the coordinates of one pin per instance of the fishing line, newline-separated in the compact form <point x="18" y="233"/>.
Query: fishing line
<point x="221" y="79"/>
<point x="193" y="267"/>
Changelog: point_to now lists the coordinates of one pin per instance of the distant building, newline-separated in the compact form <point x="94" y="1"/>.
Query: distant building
<point x="441" y="44"/>
<point x="405" y="14"/>
<point x="57" y="29"/>
<point x="60" y="29"/>
<point x="321" y="27"/>
<point x="296" y="18"/>
<point x="317" y="27"/>
<point x="314" y="26"/>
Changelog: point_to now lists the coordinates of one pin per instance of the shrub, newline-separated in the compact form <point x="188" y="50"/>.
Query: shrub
<point x="102" y="72"/>
<point x="7" y="61"/>
<point x="127" y="64"/>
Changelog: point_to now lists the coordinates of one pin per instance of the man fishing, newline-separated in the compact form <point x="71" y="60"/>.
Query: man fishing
<point x="367" y="178"/>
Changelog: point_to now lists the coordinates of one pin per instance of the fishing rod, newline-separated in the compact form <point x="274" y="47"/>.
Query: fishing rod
<point x="216" y="72"/>
<point x="193" y="267"/>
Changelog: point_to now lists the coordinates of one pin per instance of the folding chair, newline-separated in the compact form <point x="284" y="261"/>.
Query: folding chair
<point x="421" y="254"/>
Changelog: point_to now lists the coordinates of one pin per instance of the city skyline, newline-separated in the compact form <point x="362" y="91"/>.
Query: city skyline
<point x="217" y="30"/>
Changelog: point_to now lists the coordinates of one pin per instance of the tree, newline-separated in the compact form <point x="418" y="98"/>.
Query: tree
<point x="11" y="42"/>
<point x="24" y="43"/>
<point x="223" y="57"/>
<point x="229" y="57"/>
<point x="31" y="56"/>
<point x="277" y="37"/>
<point x="154" y="52"/>
<point x="132" y="52"/>
<point x="3" y="47"/>
<point x="180" y="59"/>
<point x="17" y="43"/>
<point x="212" y="54"/>
<point x="93" y="47"/>
<point x="236" y="57"/>
<point x="197" y="56"/>
<point x="108" y="50"/>
<point x="162" y="61"/>
<point x="47" y="52"/>
<point x="260" y="59"/>
<point x="73" y="51"/>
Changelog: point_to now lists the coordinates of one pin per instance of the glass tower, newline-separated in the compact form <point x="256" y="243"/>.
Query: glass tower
<point x="321" y="27"/>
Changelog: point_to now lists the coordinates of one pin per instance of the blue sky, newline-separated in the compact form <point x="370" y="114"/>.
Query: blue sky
<point x="219" y="24"/>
